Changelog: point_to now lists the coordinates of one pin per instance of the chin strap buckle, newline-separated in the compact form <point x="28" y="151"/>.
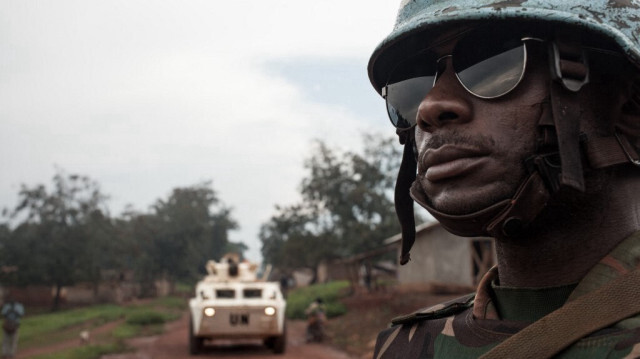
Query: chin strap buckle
<point x="629" y="149"/>
<point x="523" y="209"/>
<point x="548" y="166"/>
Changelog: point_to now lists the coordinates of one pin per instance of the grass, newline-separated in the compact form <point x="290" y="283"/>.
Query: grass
<point x="146" y="317"/>
<point x="49" y="328"/>
<point x="126" y="330"/>
<point x="299" y="299"/>
<point x="184" y="289"/>
<point x="170" y="302"/>
<point x="42" y="330"/>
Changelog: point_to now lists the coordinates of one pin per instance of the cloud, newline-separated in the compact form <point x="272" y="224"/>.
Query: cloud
<point x="144" y="96"/>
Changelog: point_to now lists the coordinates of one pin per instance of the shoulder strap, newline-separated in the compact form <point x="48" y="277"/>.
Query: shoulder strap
<point x="559" y="329"/>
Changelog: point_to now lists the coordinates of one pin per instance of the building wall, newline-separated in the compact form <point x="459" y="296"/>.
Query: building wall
<point x="36" y="296"/>
<point x="330" y="271"/>
<point x="438" y="256"/>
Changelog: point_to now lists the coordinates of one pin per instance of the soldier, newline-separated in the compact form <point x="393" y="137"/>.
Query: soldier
<point x="11" y="312"/>
<point x="522" y="121"/>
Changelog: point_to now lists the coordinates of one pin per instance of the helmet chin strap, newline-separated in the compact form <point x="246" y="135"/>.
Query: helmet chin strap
<point x="402" y="200"/>
<point x="506" y="218"/>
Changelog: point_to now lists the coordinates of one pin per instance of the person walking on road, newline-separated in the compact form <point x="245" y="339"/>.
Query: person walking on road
<point x="12" y="311"/>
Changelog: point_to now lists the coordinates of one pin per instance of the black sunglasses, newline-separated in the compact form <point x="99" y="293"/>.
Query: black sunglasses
<point x="487" y="64"/>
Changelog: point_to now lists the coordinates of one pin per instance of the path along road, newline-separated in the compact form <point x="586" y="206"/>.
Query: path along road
<point x="173" y="344"/>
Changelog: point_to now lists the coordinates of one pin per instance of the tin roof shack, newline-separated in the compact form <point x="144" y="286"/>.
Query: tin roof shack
<point x="439" y="258"/>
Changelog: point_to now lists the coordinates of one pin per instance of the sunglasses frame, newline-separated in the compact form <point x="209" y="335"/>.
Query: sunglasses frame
<point x="438" y="72"/>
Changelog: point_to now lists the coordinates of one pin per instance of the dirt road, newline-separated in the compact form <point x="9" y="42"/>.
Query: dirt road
<point x="173" y="344"/>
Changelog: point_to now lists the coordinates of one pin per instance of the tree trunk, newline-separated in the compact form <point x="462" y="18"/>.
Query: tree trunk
<point x="56" y="298"/>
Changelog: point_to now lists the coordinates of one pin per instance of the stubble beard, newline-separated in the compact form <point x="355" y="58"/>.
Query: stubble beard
<point x="480" y="198"/>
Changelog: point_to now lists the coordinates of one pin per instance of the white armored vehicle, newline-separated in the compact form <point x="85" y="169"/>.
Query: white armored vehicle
<point x="231" y="303"/>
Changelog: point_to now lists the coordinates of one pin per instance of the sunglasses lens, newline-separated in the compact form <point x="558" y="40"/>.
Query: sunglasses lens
<point x="403" y="99"/>
<point x="408" y="84"/>
<point x="489" y="70"/>
<point x="489" y="64"/>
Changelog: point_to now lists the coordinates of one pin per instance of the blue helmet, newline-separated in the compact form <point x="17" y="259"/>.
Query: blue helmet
<point x="618" y="20"/>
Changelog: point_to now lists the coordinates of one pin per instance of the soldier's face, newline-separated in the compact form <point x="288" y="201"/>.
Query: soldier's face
<point x="471" y="151"/>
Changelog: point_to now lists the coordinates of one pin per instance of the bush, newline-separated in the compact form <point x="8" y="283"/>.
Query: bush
<point x="171" y="303"/>
<point x="124" y="331"/>
<point x="147" y="317"/>
<point x="183" y="289"/>
<point x="299" y="299"/>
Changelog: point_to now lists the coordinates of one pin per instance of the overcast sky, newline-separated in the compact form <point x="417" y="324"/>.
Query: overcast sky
<point x="146" y="96"/>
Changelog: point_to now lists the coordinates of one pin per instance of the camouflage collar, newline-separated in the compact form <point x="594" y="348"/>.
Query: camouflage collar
<point x="623" y="259"/>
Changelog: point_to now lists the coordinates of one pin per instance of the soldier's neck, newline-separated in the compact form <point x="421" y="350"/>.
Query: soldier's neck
<point x="566" y="243"/>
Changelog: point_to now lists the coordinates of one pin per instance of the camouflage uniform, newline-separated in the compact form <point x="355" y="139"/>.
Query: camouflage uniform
<point x="471" y="325"/>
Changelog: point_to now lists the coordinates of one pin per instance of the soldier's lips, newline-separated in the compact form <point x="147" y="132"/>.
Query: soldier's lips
<point x="452" y="161"/>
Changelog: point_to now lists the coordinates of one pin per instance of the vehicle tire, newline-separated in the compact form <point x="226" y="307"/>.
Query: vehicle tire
<point x="315" y="332"/>
<point x="195" y="343"/>
<point x="280" y="342"/>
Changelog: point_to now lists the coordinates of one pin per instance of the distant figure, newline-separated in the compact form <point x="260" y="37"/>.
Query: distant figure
<point x="367" y="276"/>
<point x="233" y="267"/>
<point x="85" y="337"/>
<point x="315" y="320"/>
<point x="284" y="285"/>
<point x="12" y="311"/>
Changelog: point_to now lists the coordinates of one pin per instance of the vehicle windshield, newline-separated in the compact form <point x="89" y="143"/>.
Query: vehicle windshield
<point x="252" y="293"/>
<point x="225" y="293"/>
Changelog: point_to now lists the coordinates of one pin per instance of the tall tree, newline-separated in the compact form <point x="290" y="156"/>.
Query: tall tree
<point x="191" y="227"/>
<point x="351" y="193"/>
<point x="54" y="244"/>
<point x="138" y="233"/>
<point x="346" y="206"/>
<point x="65" y="235"/>
<point x="294" y="238"/>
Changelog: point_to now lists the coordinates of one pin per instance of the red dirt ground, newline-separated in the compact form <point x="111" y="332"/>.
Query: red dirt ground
<point x="173" y="344"/>
<point x="349" y="336"/>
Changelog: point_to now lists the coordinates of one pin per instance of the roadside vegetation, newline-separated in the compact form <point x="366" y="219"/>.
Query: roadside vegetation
<point x="128" y="321"/>
<point x="345" y="207"/>
<point x="299" y="299"/>
<point x="63" y="235"/>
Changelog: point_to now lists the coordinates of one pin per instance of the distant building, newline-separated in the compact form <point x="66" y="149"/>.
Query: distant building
<point x="438" y="256"/>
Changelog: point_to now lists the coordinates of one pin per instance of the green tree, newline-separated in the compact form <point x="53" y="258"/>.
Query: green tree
<point x="138" y="233"/>
<point x="65" y="235"/>
<point x="346" y="207"/>
<point x="190" y="227"/>
<point x="237" y="247"/>
<point x="62" y="235"/>
<point x="293" y="238"/>
<point x="351" y="193"/>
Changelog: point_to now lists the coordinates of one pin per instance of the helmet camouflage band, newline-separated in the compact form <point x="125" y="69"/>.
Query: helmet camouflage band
<point x="618" y="20"/>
